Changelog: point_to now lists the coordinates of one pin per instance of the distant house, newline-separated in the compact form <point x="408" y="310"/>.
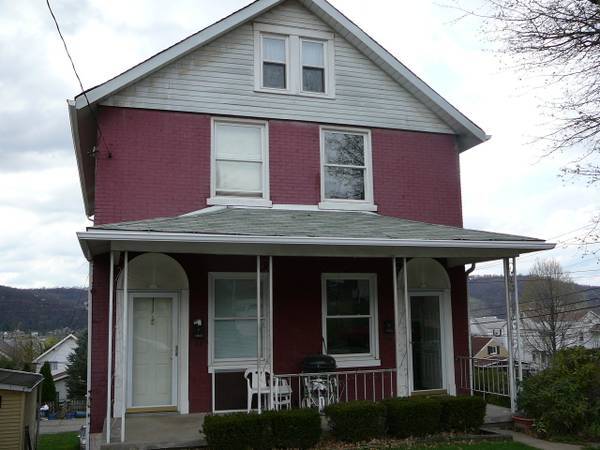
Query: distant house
<point x="486" y="349"/>
<point x="18" y="409"/>
<point x="57" y="356"/>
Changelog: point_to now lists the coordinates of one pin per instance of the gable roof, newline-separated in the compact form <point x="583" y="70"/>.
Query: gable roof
<point x="55" y="346"/>
<point x="82" y="116"/>
<point x="478" y="343"/>
<point x="16" y="380"/>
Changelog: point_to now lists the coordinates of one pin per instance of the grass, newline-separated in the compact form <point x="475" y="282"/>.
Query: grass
<point x="472" y="446"/>
<point x="59" y="441"/>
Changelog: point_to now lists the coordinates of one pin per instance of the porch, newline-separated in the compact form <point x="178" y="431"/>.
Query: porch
<point x="190" y="312"/>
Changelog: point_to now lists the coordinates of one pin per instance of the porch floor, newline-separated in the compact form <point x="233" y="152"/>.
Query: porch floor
<point x="154" y="431"/>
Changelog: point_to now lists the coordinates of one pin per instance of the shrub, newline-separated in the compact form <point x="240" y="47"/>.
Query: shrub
<point x="237" y="431"/>
<point x="566" y="396"/>
<point x="415" y="416"/>
<point x="48" y="388"/>
<point x="357" y="420"/>
<point x="462" y="413"/>
<point x="295" y="428"/>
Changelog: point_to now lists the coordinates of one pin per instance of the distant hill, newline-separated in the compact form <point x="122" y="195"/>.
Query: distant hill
<point x="487" y="295"/>
<point x="42" y="309"/>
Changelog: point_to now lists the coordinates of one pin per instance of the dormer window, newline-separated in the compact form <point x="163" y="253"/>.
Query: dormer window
<point x="293" y="61"/>
<point x="346" y="172"/>
<point x="239" y="163"/>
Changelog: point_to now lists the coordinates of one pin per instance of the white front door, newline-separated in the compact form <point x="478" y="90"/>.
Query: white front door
<point x="153" y="350"/>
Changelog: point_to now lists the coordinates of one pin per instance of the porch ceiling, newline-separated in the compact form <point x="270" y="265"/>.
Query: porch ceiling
<point x="304" y="233"/>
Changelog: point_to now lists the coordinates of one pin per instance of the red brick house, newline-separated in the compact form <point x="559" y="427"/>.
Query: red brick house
<point x="280" y="154"/>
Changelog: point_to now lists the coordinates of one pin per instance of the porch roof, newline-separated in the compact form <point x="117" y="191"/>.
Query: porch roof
<point x="301" y="232"/>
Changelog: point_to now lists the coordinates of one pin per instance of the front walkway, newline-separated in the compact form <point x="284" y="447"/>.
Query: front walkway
<point x="145" y="431"/>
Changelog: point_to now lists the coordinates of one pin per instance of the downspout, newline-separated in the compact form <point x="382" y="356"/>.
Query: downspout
<point x="258" y="340"/>
<point x="468" y="272"/>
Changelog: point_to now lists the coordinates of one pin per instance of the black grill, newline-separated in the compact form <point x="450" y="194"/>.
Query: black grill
<point x="318" y="363"/>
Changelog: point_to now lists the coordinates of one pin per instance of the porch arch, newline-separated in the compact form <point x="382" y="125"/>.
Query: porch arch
<point x="154" y="272"/>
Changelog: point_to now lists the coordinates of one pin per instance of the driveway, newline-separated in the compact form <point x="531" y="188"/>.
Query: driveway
<point x="60" y="425"/>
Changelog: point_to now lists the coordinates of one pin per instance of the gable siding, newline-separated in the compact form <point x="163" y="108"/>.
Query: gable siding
<point x="219" y="79"/>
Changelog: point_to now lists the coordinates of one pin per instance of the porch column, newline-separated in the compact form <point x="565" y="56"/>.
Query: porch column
<point x="509" y="319"/>
<point x="258" y="340"/>
<point x="517" y="319"/>
<point x="110" y="348"/>
<point x="408" y="328"/>
<point x="396" y="324"/>
<point x="124" y="343"/>
<point x="271" y="359"/>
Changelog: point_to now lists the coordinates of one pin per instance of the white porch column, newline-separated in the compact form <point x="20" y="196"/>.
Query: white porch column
<point x="258" y="340"/>
<point x="509" y="318"/>
<point x="408" y="329"/>
<point x="124" y="344"/>
<point x="396" y="325"/>
<point x="517" y="319"/>
<point x="270" y="312"/>
<point x="110" y="346"/>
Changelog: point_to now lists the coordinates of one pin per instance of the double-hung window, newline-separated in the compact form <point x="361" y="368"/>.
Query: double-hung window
<point x="274" y="53"/>
<point x="350" y="330"/>
<point x="294" y="61"/>
<point x="346" y="173"/>
<point x="233" y="308"/>
<point x="239" y="162"/>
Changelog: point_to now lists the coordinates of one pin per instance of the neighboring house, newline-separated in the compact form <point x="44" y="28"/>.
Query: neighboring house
<point x="488" y="349"/>
<point x="57" y="356"/>
<point x="279" y="154"/>
<point x="19" y="409"/>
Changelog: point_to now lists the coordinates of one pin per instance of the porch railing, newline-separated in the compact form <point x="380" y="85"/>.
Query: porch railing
<point x="325" y="388"/>
<point x="489" y="376"/>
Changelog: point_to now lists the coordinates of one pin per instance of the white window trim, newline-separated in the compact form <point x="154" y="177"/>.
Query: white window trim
<point x="233" y="200"/>
<point x="357" y="205"/>
<point x="232" y="363"/>
<point x="358" y="359"/>
<point x="294" y="59"/>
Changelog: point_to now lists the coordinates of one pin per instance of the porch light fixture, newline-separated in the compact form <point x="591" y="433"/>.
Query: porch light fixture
<point x="388" y="326"/>
<point x="198" y="329"/>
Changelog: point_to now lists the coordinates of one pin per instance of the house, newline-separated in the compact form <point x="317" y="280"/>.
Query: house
<point x="57" y="356"/>
<point x="272" y="187"/>
<point x="19" y="409"/>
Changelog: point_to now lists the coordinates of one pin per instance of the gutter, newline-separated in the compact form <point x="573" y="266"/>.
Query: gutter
<point x="74" y="122"/>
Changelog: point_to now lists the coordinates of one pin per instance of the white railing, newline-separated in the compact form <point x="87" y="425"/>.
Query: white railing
<point x="325" y="388"/>
<point x="483" y="375"/>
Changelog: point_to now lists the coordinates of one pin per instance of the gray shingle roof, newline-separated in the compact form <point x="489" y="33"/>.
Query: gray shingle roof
<point x="293" y="223"/>
<point x="19" y="381"/>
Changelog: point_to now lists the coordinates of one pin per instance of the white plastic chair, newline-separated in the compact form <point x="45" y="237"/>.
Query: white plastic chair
<point x="251" y="376"/>
<point x="281" y="395"/>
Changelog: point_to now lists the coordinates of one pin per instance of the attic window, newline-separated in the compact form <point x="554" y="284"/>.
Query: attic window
<point x="293" y="61"/>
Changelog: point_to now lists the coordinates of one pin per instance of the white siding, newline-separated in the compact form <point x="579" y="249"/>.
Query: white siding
<point x="219" y="79"/>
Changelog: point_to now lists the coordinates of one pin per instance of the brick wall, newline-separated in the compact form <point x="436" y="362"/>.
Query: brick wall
<point x="159" y="165"/>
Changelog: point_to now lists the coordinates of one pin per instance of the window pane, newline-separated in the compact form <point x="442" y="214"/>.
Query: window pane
<point x="313" y="80"/>
<point x="274" y="50"/>
<point x="344" y="183"/>
<point x="313" y="54"/>
<point x="238" y="141"/>
<point x="239" y="176"/>
<point x="235" y="298"/>
<point x="344" y="148"/>
<point x="235" y="338"/>
<point x="347" y="297"/>
<point x="348" y="336"/>
<point x="274" y="75"/>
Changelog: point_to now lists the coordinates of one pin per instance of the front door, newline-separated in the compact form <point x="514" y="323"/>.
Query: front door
<point x="153" y="350"/>
<point x="426" y="334"/>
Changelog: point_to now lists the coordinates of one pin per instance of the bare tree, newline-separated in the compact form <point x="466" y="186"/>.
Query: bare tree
<point x="549" y="298"/>
<point x="559" y="42"/>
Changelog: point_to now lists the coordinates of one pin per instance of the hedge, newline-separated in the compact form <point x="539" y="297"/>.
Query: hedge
<point x="356" y="420"/>
<point x="415" y="416"/>
<point x="462" y="414"/>
<point x="299" y="428"/>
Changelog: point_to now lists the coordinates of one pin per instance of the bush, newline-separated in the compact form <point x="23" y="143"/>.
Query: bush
<point x="295" y="428"/>
<point x="357" y="420"/>
<point x="566" y="396"/>
<point x="415" y="416"/>
<point x="462" y="414"/>
<point x="237" y="431"/>
<point x="299" y="428"/>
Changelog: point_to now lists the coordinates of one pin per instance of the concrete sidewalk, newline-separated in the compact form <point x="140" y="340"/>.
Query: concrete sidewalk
<point x="60" y="425"/>
<point x="530" y="440"/>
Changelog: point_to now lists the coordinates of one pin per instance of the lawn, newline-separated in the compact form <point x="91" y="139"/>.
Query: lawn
<point x="59" y="441"/>
<point x="473" y="446"/>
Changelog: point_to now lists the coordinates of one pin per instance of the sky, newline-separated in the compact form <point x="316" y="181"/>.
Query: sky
<point x="507" y="184"/>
